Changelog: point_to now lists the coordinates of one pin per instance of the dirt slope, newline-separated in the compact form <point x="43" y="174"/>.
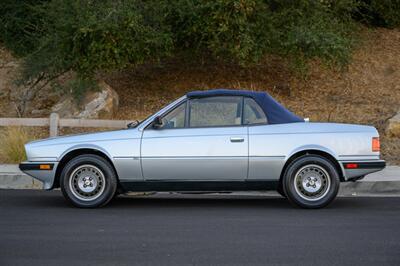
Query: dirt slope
<point x="368" y="92"/>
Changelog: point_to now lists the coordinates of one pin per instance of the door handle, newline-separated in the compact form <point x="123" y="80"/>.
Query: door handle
<point x="237" y="139"/>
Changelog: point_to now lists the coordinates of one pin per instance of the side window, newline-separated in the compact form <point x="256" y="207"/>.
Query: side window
<point x="175" y="118"/>
<point x="215" y="111"/>
<point x="253" y="114"/>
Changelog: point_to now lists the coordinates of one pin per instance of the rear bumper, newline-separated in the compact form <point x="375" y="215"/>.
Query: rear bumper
<point x="353" y="170"/>
<point x="46" y="176"/>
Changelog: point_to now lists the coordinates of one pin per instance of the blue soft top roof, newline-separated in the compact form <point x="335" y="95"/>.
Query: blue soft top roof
<point x="275" y="112"/>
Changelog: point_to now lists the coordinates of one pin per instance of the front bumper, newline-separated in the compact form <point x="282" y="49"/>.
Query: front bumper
<point x="44" y="174"/>
<point x="353" y="170"/>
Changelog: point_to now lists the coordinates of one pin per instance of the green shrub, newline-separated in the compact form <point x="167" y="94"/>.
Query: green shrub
<point x="384" y="13"/>
<point x="20" y="25"/>
<point x="86" y="36"/>
<point x="232" y="29"/>
<point x="313" y="29"/>
<point x="246" y="30"/>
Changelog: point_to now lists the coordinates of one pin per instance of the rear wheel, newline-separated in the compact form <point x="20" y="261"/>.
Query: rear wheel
<point x="88" y="181"/>
<point x="311" y="181"/>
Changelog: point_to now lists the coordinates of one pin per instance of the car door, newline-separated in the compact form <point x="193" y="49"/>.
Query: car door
<point x="264" y="162"/>
<point x="200" y="140"/>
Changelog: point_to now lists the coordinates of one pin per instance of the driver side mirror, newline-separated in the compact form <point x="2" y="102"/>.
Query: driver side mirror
<point x="157" y="122"/>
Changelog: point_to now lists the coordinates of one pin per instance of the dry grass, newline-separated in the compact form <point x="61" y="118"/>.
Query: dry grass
<point x="12" y="140"/>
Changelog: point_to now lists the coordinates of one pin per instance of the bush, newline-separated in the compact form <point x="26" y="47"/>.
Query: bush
<point x="311" y="29"/>
<point x="231" y="29"/>
<point x="383" y="13"/>
<point x="12" y="141"/>
<point x="246" y="30"/>
<point x="86" y="36"/>
<point x="20" y="25"/>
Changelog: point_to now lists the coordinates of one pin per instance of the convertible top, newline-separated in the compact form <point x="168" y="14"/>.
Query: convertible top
<point x="275" y="112"/>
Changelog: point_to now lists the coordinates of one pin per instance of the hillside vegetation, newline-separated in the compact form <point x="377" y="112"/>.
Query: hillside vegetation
<point x="84" y="36"/>
<point x="367" y="92"/>
<point x="328" y="60"/>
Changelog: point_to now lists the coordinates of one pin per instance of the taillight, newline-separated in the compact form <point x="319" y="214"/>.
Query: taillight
<point x="351" y="166"/>
<point x="376" y="144"/>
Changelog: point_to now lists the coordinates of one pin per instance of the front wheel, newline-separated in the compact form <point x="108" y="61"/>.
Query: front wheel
<point x="311" y="181"/>
<point x="88" y="181"/>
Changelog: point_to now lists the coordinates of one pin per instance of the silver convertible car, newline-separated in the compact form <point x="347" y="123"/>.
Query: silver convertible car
<point x="209" y="141"/>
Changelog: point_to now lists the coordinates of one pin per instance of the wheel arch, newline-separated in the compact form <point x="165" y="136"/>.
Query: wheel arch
<point x="70" y="154"/>
<point x="313" y="151"/>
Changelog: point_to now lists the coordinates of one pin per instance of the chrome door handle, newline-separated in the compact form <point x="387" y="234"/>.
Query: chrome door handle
<point x="237" y="139"/>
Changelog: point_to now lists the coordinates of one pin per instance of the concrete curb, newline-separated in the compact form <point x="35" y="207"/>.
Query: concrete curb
<point x="12" y="178"/>
<point x="366" y="188"/>
<point x="383" y="183"/>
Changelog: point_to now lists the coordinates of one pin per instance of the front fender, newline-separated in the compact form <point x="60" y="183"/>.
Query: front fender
<point x="84" y="146"/>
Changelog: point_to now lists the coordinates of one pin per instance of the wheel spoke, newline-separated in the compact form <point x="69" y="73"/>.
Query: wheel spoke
<point x="87" y="182"/>
<point x="312" y="182"/>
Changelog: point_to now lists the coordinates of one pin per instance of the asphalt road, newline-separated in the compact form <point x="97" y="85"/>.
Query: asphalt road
<point x="39" y="228"/>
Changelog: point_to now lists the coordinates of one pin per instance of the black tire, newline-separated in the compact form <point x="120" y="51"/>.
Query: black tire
<point x="306" y="174"/>
<point x="84" y="167"/>
<point x="280" y="190"/>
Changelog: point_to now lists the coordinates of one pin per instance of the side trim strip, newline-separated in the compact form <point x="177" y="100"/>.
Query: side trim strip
<point x="199" y="185"/>
<point x="126" y="158"/>
<point x="194" y="157"/>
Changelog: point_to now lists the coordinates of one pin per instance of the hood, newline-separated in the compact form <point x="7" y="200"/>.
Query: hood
<point x="87" y="137"/>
